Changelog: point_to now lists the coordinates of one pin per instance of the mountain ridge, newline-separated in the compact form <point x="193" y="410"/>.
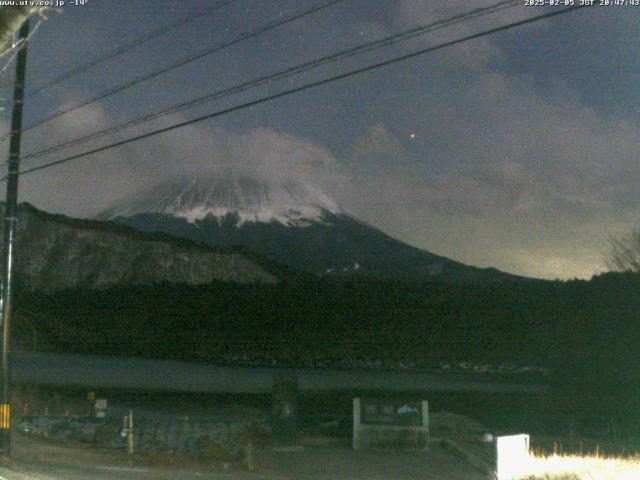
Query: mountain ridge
<point x="57" y="252"/>
<point x="311" y="232"/>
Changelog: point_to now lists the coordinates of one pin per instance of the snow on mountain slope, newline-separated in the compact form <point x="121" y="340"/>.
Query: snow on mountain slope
<point x="288" y="221"/>
<point x="286" y="202"/>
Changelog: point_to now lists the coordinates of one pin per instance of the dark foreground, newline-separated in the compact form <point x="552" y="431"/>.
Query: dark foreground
<point x="34" y="459"/>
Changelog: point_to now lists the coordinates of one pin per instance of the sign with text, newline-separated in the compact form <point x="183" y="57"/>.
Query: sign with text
<point x="389" y="412"/>
<point x="390" y="423"/>
<point x="100" y="408"/>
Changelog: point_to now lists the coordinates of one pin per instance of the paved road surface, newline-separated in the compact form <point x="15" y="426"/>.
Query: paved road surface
<point x="133" y="373"/>
<point x="37" y="461"/>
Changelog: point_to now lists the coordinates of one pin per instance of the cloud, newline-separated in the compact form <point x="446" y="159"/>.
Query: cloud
<point x="502" y="172"/>
<point x="475" y="55"/>
<point x="377" y="141"/>
<point x="532" y="184"/>
<point x="91" y="184"/>
<point x="270" y="154"/>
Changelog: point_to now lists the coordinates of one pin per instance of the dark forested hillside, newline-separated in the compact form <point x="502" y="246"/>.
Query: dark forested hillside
<point x="555" y="324"/>
<point x="586" y="334"/>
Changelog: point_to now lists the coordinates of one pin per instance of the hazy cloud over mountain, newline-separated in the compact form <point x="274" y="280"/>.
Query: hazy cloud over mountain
<point x="517" y="151"/>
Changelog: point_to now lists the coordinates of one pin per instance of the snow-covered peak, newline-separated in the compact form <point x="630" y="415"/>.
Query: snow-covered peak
<point x="288" y="202"/>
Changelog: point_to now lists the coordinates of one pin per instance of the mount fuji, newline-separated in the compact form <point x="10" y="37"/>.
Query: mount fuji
<point x="291" y="222"/>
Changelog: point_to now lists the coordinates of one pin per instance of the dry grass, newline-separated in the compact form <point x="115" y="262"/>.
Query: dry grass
<point x="586" y="467"/>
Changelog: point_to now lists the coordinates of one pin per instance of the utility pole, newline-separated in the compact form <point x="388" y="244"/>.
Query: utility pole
<point x="10" y="218"/>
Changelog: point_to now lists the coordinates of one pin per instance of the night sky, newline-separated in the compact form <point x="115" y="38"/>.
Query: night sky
<point x="517" y="151"/>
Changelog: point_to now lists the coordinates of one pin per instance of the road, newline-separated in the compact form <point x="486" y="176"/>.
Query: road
<point x="134" y="373"/>
<point x="37" y="461"/>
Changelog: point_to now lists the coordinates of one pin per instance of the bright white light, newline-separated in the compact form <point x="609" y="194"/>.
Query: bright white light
<point x="583" y="467"/>
<point x="512" y="456"/>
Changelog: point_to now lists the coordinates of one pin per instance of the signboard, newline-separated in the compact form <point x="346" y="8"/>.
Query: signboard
<point x="390" y="423"/>
<point x="101" y="408"/>
<point x="389" y="412"/>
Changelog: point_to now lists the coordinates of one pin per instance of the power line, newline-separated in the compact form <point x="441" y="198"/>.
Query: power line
<point x="191" y="58"/>
<point x="126" y="47"/>
<point x="288" y="72"/>
<point x="302" y="88"/>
